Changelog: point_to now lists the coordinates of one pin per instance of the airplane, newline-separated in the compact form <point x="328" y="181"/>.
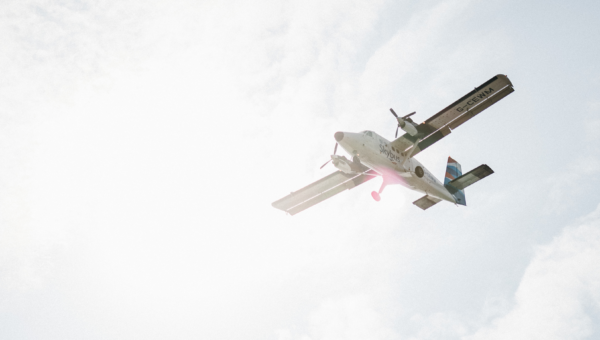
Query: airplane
<point x="374" y="156"/>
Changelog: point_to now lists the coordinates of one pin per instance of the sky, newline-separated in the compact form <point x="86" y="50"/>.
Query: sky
<point x="143" y="142"/>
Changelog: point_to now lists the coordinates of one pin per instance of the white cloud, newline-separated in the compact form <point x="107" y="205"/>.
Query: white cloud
<point x="558" y="298"/>
<point x="565" y="186"/>
<point x="559" y="294"/>
<point x="141" y="145"/>
<point x="347" y="318"/>
<point x="437" y="326"/>
<point x="592" y="126"/>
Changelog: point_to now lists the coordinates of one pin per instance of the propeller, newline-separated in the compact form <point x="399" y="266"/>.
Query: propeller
<point x="400" y="119"/>
<point x="334" y="151"/>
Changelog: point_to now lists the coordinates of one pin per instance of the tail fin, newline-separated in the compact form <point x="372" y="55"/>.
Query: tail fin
<point x="453" y="171"/>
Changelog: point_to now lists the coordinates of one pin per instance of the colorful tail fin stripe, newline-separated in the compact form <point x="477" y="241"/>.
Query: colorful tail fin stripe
<point x="453" y="171"/>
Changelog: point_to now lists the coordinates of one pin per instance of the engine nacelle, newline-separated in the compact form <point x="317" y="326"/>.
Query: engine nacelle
<point x="343" y="164"/>
<point x="409" y="127"/>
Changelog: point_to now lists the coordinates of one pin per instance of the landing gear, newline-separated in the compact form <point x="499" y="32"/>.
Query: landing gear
<point x="376" y="196"/>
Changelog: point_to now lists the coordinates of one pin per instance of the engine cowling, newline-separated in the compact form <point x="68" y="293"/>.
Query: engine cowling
<point x="408" y="127"/>
<point x="348" y="166"/>
<point x="342" y="164"/>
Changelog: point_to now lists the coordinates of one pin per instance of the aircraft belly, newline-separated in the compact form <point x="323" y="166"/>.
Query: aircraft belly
<point x="390" y="167"/>
<point x="387" y="169"/>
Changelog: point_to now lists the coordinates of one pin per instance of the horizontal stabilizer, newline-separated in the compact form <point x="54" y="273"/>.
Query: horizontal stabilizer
<point x="426" y="202"/>
<point x="321" y="190"/>
<point x="469" y="178"/>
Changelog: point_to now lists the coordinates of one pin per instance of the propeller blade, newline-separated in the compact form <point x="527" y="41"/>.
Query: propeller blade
<point x="410" y="114"/>
<point x="397" y="131"/>
<point x="394" y="113"/>
<point x="335" y="149"/>
<point x="325" y="164"/>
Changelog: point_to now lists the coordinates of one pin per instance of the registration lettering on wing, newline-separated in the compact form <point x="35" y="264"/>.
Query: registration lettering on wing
<point x="476" y="98"/>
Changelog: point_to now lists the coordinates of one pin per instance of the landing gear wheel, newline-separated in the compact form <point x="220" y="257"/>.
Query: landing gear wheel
<point x="376" y="196"/>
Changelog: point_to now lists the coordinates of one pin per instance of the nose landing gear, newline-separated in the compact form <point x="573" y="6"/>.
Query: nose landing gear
<point x="376" y="196"/>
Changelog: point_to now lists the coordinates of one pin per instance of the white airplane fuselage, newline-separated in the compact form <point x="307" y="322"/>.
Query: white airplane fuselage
<point x="375" y="152"/>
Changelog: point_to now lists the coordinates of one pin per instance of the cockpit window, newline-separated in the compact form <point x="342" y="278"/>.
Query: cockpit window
<point x="368" y="133"/>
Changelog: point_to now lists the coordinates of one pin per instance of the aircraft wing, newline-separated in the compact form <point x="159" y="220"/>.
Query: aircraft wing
<point x="321" y="190"/>
<point x="443" y="122"/>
